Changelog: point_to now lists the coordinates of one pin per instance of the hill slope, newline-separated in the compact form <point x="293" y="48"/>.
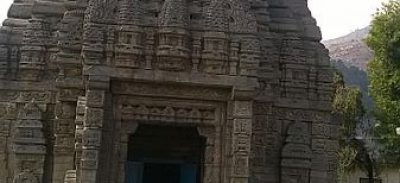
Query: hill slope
<point x="350" y="55"/>
<point x="351" y="48"/>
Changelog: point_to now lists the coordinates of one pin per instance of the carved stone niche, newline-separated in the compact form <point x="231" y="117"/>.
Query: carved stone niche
<point x="172" y="52"/>
<point x="215" y="54"/>
<point x="129" y="49"/>
<point x="135" y="111"/>
<point x="296" y="154"/>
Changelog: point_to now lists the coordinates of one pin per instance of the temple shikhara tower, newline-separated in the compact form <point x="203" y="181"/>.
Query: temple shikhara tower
<point x="165" y="91"/>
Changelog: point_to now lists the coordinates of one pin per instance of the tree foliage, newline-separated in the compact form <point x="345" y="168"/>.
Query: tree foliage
<point x="347" y="105"/>
<point x="356" y="149"/>
<point x="384" y="75"/>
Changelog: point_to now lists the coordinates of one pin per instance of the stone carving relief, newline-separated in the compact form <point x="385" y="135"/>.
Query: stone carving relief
<point x="175" y="91"/>
<point x="28" y="145"/>
<point x="129" y="50"/>
<point x="303" y="115"/>
<point x="176" y="114"/>
<point x="172" y="51"/>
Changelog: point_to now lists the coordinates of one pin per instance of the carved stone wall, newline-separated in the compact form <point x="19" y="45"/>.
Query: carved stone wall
<point x="250" y="75"/>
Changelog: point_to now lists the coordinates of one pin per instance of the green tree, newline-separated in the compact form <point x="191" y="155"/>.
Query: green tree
<point x="384" y="75"/>
<point x="354" y="151"/>
<point x="347" y="106"/>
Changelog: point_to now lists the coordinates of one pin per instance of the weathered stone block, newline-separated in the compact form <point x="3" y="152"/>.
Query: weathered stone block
<point x="96" y="98"/>
<point x="94" y="117"/>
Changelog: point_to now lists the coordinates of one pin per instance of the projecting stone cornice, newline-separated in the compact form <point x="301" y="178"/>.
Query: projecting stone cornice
<point x="201" y="79"/>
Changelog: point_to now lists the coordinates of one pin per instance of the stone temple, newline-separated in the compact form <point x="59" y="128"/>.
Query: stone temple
<point x="172" y="91"/>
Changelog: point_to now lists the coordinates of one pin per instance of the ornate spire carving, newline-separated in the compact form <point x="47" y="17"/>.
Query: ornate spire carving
<point x="172" y="51"/>
<point x="129" y="48"/>
<point x="130" y="12"/>
<point x="216" y="16"/>
<point x="174" y="14"/>
<point x="215" y="54"/>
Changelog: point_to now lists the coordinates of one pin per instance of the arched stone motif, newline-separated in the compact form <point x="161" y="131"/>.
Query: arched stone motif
<point x="296" y="154"/>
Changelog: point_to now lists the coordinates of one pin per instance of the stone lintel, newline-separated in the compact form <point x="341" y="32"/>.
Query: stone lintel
<point x="173" y="77"/>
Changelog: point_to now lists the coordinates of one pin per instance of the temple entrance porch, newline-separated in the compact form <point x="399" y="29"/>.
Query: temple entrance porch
<point x="178" y="133"/>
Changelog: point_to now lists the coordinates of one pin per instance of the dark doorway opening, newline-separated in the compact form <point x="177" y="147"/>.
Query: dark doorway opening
<point x="157" y="172"/>
<point x="168" y="154"/>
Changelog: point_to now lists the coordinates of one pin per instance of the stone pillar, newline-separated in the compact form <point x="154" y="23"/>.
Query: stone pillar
<point x="33" y="56"/>
<point x="212" y="153"/>
<point x="92" y="127"/>
<point x="241" y="140"/>
<point x="70" y="85"/>
<point x="249" y="55"/>
<point x="127" y="129"/>
<point x="8" y="115"/>
<point x="28" y="146"/>
<point x="80" y="118"/>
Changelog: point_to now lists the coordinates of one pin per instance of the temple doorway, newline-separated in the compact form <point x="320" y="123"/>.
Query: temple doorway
<point x="167" y="154"/>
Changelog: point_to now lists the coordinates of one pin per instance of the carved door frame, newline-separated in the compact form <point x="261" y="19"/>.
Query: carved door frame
<point x="227" y="136"/>
<point x="212" y="164"/>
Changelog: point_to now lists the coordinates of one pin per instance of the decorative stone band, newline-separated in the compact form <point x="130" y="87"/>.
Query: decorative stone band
<point x="175" y="91"/>
<point x="193" y="115"/>
<point x="302" y="115"/>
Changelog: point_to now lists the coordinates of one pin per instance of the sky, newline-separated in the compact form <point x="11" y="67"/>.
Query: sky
<point x="340" y="17"/>
<point x="335" y="17"/>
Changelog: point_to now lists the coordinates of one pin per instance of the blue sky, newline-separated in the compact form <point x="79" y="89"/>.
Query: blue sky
<point x="335" y="17"/>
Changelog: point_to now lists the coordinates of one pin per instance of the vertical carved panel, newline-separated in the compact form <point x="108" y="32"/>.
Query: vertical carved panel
<point x="28" y="146"/>
<point x="241" y="144"/>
